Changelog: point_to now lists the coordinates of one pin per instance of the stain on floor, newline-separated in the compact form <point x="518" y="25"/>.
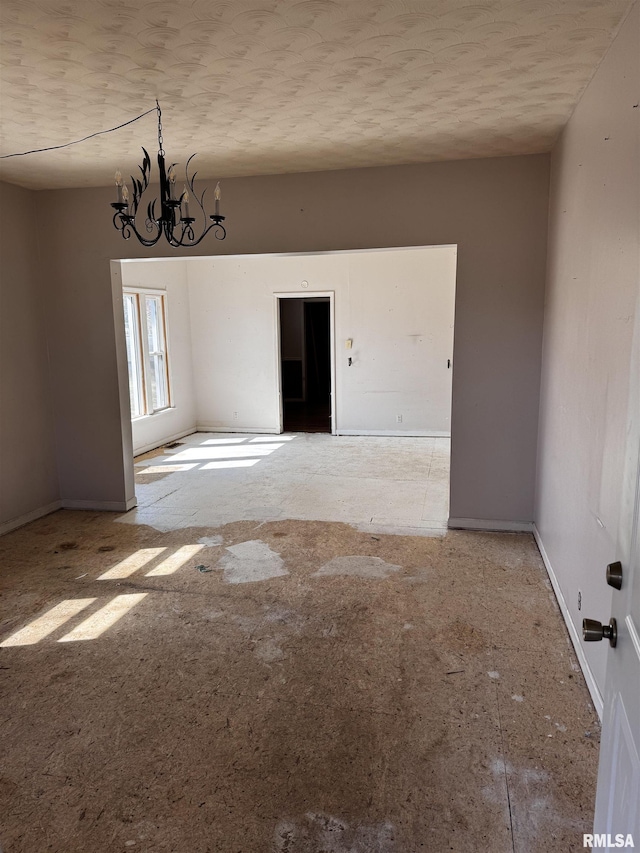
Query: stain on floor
<point x="321" y="689"/>
<point x="251" y="562"/>
<point x="357" y="567"/>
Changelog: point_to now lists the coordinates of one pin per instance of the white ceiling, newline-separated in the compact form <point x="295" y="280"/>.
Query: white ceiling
<point x="271" y="86"/>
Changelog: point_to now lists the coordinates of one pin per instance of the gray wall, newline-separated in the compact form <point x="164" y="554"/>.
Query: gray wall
<point x="593" y="282"/>
<point x="28" y="475"/>
<point x="493" y="209"/>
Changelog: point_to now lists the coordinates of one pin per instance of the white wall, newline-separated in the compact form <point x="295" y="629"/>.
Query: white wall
<point x="28" y="472"/>
<point x="592" y="288"/>
<point x="169" y="276"/>
<point x="399" y="309"/>
<point x="397" y="306"/>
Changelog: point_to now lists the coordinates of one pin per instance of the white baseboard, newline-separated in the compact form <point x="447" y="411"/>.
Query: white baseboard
<point x="490" y="524"/>
<point x="596" y="695"/>
<point x="232" y="428"/>
<point x="416" y="433"/>
<point x="238" y="429"/>
<point x="101" y="506"/>
<point x="21" y="520"/>
<point x="138" y="451"/>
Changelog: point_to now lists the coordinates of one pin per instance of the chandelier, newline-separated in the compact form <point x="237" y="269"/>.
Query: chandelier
<point x="174" y="220"/>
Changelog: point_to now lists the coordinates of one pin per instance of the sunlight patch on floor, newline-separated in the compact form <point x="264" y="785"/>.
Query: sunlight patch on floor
<point x="47" y="623"/>
<point x="175" y="561"/>
<point x="131" y="564"/>
<point x="102" y="619"/>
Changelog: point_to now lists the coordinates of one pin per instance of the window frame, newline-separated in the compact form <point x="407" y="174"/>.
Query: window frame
<point x="144" y="354"/>
<point x="135" y="359"/>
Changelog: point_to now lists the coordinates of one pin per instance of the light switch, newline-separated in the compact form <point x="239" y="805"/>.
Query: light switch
<point x="348" y="343"/>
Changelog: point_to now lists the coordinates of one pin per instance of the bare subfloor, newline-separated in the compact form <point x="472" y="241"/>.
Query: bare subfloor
<point x="293" y="686"/>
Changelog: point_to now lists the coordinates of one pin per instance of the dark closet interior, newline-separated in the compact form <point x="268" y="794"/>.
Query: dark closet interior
<point x="305" y="359"/>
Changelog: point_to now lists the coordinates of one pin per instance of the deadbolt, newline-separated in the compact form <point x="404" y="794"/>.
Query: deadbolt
<point x="592" y="631"/>
<point x="614" y="575"/>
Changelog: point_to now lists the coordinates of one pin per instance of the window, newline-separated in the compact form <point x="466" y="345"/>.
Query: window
<point x="145" y="334"/>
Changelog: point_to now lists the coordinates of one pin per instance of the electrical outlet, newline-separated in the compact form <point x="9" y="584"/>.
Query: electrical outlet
<point x="579" y="600"/>
<point x="235" y="416"/>
<point x="399" y="419"/>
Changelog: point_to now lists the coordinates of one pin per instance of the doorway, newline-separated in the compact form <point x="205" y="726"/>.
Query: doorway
<point x="305" y="363"/>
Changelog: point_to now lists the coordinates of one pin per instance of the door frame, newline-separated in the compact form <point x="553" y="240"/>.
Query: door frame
<point x="311" y="294"/>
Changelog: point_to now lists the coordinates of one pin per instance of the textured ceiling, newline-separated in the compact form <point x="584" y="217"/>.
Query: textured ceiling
<point x="269" y="86"/>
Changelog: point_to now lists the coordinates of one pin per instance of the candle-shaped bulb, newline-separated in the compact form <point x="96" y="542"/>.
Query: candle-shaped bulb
<point x="185" y="200"/>
<point x="125" y="195"/>
<point x="217" y="194"/>
<point x="171" y="174"/>
<point x="119" y="185"/>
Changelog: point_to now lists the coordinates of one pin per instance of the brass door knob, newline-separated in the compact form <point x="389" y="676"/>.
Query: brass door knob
<point x="593" y="631"/>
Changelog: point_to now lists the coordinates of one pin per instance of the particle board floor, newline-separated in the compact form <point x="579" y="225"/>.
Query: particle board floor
<point x="285" y="685"/>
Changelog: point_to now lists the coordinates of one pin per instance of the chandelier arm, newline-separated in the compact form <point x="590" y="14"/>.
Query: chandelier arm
<point x="188" y="232"/>
<point x="127" y="226"/>
<point x="182" y="243"/>
<point x="220" y="231"/>
<point x="118" y="221"/>
<point x="187" y="238"/>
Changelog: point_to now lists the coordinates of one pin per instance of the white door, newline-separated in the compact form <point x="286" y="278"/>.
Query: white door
<point x="618" y="795"/>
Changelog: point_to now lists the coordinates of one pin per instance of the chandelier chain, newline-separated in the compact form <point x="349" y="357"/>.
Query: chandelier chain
<point x="160" y="139"/>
